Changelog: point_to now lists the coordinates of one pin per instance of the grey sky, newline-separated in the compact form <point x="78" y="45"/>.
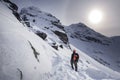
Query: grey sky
<point x="74" y="11"/>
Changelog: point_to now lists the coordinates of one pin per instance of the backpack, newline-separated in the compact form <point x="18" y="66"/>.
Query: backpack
<point x="75" y="57"/>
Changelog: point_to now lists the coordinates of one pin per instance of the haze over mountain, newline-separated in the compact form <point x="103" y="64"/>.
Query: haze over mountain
<point x="36" y="46"/>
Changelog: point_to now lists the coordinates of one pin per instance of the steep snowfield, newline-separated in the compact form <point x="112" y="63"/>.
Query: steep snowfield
<point x="16" y="55"/>
<point x="25" y="56"/>
<point x="103" y="49"/>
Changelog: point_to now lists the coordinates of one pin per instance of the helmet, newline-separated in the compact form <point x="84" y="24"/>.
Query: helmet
<point x="74" y="51"/>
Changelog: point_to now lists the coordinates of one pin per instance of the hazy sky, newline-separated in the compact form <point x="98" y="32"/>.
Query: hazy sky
<point x="75" y="11"/>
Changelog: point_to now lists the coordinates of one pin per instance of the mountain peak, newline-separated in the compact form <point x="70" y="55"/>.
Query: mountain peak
<point x="82" y="32"/>
<point x="81" y="24"/>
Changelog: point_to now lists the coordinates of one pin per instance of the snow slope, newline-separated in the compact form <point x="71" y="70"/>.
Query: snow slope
<point x="103" y="49"/>
<point x="25" y="56"/>
<point x="17" y="58"/>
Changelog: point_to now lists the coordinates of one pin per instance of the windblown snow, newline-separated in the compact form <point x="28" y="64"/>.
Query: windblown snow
<point x="26" y="56"/>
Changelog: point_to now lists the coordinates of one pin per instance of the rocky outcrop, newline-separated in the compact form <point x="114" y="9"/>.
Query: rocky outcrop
<point x="41" y="34"/>
<point x="62" y="36"/>
<point x="13" y="7"/>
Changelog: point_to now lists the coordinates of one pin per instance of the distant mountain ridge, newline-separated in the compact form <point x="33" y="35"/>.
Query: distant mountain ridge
<point x="84" y="33"/>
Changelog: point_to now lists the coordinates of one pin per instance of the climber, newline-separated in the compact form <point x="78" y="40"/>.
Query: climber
<point x="74" y="59"/>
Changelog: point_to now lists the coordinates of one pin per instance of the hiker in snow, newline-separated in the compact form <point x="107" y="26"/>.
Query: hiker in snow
<point x="74" y="59"/>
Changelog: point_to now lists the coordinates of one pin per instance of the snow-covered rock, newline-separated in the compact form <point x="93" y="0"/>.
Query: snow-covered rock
<point x="38" y="20"/>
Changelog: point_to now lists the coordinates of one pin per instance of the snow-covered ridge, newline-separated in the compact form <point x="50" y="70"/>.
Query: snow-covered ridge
<point x="82" y="32"/>
<point x="36" y="12"/>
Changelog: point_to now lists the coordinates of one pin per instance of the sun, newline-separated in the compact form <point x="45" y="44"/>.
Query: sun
<point x="95" y="16"/>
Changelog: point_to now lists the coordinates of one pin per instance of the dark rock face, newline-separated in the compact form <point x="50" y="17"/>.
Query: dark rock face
<point x="56" y="23"/>
<point x="14" y="9"/>
<point x="16" y="14"/>
<point x="55" y="46"/>
<point x="61" y="46"/>
<point x="41" y="34"/>
<point x="93" y="39"/>
<point x="11" y="5"/>
<point x="62" y="36"/>
<point x="24" y="18"/>
<point x="34" y="51"/>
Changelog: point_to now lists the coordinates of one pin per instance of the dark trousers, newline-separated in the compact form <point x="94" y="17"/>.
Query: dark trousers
<point x="74" y="64"/>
